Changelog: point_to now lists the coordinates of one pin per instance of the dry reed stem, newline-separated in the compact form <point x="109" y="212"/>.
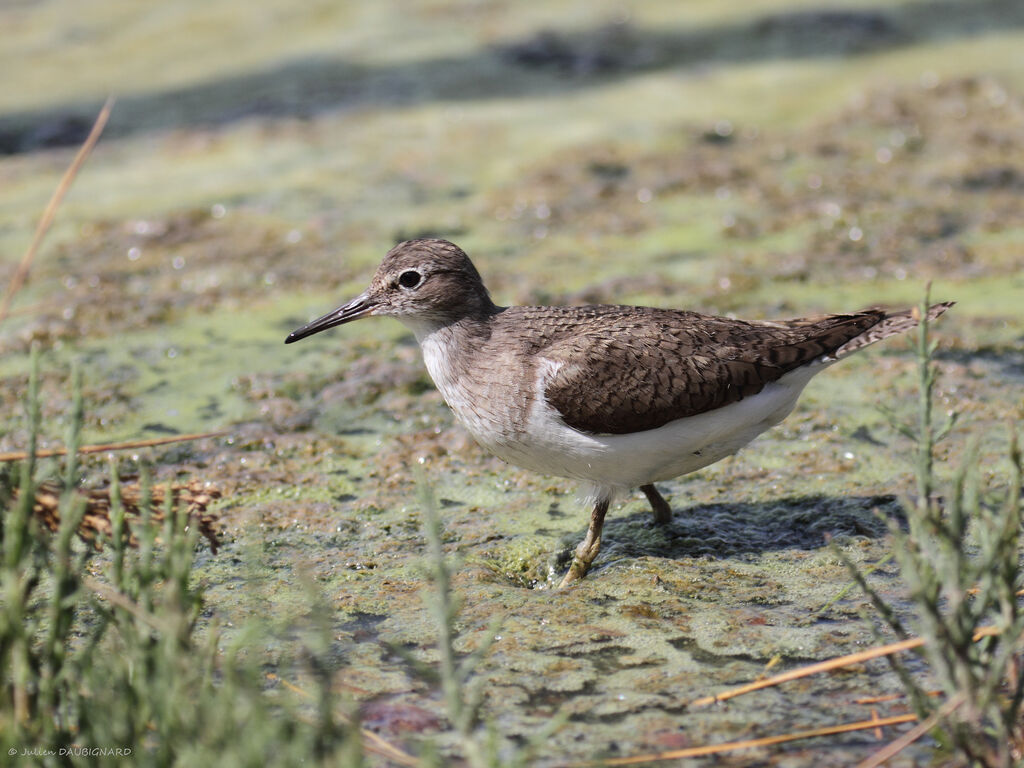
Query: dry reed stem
<point x="826" y="666"/>
<point x="51" y="208"/>
<point x="874" y="718"/>
<point x="371" y="741"/>
<point x="893" y="748"/>
<point x="120" y="599"/>
<point x="103" y="448"/>
<point x="890" y="697"/>
<point x="879" y="699"/>
<point x="767" y="741"/>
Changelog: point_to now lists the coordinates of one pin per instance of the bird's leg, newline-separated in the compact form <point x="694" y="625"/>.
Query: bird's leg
<point x="589" y="547"/>
<point x="660" y="507"/>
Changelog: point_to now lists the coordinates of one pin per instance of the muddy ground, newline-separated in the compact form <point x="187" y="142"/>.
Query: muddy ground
<point x="762" y="160"/>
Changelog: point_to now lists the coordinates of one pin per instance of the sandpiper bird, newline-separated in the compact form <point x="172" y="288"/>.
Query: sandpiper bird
<point x="618" y="397"/>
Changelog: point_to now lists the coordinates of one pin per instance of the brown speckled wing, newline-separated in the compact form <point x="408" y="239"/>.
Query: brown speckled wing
<point x="631" y="369"/>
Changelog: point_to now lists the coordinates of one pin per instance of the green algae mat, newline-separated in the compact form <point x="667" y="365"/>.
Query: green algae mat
<point x="760" y="160"/>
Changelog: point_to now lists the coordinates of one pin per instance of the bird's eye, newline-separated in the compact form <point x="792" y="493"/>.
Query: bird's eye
<point x="409" y="279"/>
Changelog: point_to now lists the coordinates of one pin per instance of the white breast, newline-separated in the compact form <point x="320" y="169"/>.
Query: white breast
<point x="477" y="402"/>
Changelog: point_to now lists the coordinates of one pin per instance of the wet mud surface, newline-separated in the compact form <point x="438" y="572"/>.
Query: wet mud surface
<point x="613" y="165"/>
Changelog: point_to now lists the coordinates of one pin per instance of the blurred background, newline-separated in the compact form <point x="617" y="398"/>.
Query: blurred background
<point x="763" y="158"/>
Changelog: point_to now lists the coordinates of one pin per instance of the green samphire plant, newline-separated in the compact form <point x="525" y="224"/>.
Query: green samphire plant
<point x="960" y="559"/>
<point x="100" y="660"/>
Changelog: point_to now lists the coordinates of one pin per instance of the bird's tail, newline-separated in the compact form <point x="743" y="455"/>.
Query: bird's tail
<point x="890" y="325"/>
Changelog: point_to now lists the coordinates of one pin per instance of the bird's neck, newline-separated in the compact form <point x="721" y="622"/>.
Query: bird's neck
<point x="464" y="326"/>
<point x="450" y="353"/>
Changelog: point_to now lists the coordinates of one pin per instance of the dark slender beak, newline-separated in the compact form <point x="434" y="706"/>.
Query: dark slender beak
<point x="360" y="306"/>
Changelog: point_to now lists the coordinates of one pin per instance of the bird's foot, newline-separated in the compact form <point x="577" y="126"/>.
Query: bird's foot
<point x="661" y="509"/>
<point x="587" y="550"/>
<point x="576" y="572"/>
<point x="582" y="558"/>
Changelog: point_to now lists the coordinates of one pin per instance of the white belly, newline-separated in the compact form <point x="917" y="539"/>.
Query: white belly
<point x="626" y="461"/>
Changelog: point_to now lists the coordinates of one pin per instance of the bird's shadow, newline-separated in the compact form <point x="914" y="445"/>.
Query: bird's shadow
<point x="726" y="530"/>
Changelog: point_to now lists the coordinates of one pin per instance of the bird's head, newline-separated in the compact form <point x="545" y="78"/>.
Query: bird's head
<point x="425" y="283"/>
